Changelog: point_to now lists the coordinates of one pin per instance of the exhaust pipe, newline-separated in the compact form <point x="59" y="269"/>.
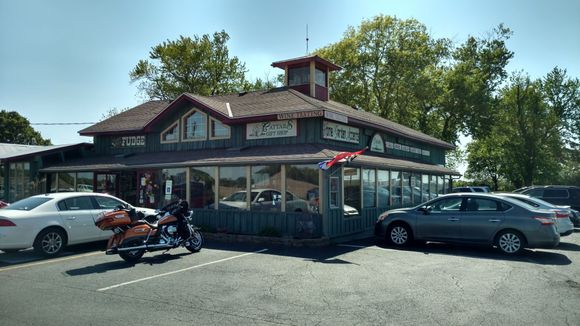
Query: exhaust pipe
<point x="146" y="247"/>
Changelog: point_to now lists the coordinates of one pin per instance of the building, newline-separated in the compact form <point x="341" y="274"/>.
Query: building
<point x="20" y="165"/>
<point x="248" y="162"/>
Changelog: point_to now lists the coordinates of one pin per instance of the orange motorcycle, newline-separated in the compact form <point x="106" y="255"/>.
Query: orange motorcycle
<point x="133" y="235"/>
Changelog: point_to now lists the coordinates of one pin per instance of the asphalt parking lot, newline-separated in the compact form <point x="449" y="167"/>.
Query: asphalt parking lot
<point x="356" y="283"/>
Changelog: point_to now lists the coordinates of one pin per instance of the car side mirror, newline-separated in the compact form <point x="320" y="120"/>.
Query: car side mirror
<point x="425" y="209"/>
<point x="261" y="199"/>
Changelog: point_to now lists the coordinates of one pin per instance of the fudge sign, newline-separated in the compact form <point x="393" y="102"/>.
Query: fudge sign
<point x="128" y="141"/>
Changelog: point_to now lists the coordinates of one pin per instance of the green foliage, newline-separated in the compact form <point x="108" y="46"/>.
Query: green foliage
<point x="16" y="129"/>
<point x="112" y="112"/>
<point x="199" y="65"/>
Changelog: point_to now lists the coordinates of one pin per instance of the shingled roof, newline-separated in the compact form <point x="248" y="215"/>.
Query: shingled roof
<point x="247" y="105"/>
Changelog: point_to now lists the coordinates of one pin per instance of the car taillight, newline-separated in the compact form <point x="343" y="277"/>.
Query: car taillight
<point x="544" y="220"/>
<point x="6" y="223"/>
<point x="562" y="214"/>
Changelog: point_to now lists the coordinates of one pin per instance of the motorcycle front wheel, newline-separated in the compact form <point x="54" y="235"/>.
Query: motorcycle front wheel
<point x="194" y="243"/>
<point x="132" y="256"/>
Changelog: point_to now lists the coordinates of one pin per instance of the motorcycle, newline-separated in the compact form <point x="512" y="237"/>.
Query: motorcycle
<point x="133" y="234"/>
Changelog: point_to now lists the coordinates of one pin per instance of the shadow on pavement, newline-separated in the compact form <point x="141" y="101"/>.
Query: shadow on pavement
<point x="121" y="264"/>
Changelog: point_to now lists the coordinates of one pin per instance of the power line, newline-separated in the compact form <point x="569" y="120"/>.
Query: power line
<point x="62" y="123"/>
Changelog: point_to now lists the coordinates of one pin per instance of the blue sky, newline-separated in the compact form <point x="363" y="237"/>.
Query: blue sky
<point x="69" y="60"/>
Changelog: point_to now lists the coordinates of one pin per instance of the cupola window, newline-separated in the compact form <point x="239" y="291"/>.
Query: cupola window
<point x="194" y="126"/>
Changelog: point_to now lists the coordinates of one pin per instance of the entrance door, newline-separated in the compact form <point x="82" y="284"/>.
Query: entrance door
<point x="107" y="183"/>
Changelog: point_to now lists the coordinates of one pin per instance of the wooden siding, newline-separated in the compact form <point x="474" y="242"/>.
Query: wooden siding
<point x="297" y="225"/>
<point x="340" y="226"/>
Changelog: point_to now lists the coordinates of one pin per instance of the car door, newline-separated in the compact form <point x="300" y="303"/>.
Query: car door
<point x="104" y="204"/>
<point x="480" y="219"/>
<point x="77" y="214"/>
<point x="442" y="221"/>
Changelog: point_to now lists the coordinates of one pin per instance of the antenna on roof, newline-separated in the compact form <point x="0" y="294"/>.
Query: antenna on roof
<point x="306" y="39"/>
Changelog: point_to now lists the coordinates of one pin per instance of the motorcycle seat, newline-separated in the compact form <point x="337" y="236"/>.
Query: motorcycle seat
<point x="141" y="222"/>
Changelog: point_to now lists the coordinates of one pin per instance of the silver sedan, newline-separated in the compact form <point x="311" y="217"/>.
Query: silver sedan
<point x="474" y="218"/>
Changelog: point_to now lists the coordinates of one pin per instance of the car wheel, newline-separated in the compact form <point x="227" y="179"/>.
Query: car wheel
<point x="399" y="235"/>
<point x="510" y="242"/>
<point x="50" y="242"/>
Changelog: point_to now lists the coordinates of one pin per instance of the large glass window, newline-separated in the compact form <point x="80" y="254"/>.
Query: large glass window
<point x="106" y="183"/>
<point x="407" y="186"/>
<point x="266" y="181"/>
<point x="298" y="76"/>
<point x="396" y="195"/>
<point x="66" y="181"/>
<point x="384" y="188"/>
<point x="416" y="188"/>
<point x="440" y="185"/>
<point x="174" y="183"/>
<point x="202" y="187"/>
<point x="19" y="181"/>
<point x="218" y="130"/>
<point x="445" y="184"/>
<point x="85" y="181"/>
<point x="232" y="187"/>
<point x="425" y="187"/>
<point x="433" y="186"/>
<point x="2" y="182"/>
<point x="302" y="185"/>
<point x="334" y="192"/>
<point x="352" y="187"/>
<point x="369" y="188"/>
<point x="194" y="126"/>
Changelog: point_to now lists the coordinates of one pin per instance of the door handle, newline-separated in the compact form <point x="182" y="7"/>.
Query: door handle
<point x="494" y="220"/>
<point x="453" y="219"/>
<point x="71" y="218"/>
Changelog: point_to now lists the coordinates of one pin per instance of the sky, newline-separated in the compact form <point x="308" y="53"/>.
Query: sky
<point x="68" y="61"/>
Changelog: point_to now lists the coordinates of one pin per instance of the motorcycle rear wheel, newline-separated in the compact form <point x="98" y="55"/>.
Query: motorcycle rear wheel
<point x="133" y="255"/>
<point x="194" y="243"/>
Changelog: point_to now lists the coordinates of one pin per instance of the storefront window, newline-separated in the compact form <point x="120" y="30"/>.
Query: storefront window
<point x="425" y="187"/>
<point x="407" y="186"/>
<point x="128" y="183"/>
<point x="149" y="188"/>
<point x="232" y="187"/>
<point x="85" y="181"/>
<point x="334" y="192"/>
<point x="194" y="126"/>
<point x="433" y="186"/>
<point x="384" y="188"/>
<point x="416" y="189"/>
<point x="445" y="184"/>
<point x="352" y="185"/>
<point x="19" y="181"/>
<point x="52" y="182"/>
<point x="66" y="181"/>
<point x="266" y="188"/>
<point x="2" y="182"/>
<point x="106" y="183"/>
<point x="440" y="185"/>
<point x="202" y="187"/>
<point x="174" y="183"/>
<point x="396" y="197"/>
<point x="369" y="188"/>
<point x="302" y="185"/>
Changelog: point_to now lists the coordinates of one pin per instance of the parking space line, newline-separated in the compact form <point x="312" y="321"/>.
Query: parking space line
<point x="180" y="270"/>
<point x="56" y="260"/>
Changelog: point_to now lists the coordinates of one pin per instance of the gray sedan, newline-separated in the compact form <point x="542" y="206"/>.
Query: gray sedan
<point x="475" y="218"/>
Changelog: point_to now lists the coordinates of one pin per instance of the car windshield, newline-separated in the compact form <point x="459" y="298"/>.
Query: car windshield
<point x="28" y="204"/>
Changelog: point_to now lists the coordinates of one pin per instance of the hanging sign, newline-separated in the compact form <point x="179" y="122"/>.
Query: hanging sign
<point x="168" y="189"/>
<point x="271" y="129"/>
<point x="340" y="132"/>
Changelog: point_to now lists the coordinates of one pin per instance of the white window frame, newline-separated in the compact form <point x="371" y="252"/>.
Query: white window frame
<point x="183" y="125"/>
<point x="211" y="129"/>
<point x="176" y="140"/>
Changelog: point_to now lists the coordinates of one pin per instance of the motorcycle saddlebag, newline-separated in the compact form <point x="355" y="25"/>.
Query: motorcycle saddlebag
<point x="110" y="220"/>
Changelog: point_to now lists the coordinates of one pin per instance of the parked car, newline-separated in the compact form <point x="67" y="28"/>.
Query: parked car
<point x="557" y="195"/>
<point x="563" y="213"/>
<point x="475" y="218"/>
<point x="575" y="218"/>
<point x="263" y="200"/>
<point x="471" y="189"/>
<point x="52" y="221"/>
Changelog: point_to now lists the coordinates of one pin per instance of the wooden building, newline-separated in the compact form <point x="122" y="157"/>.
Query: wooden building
<point x="248" y="162"/>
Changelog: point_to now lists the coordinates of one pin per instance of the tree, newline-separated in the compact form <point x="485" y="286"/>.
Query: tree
<point x="16" y="129"/>
<point x="112" y="112"/>
<point x="199" y="65"/>
<point x="485" y="162"/>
